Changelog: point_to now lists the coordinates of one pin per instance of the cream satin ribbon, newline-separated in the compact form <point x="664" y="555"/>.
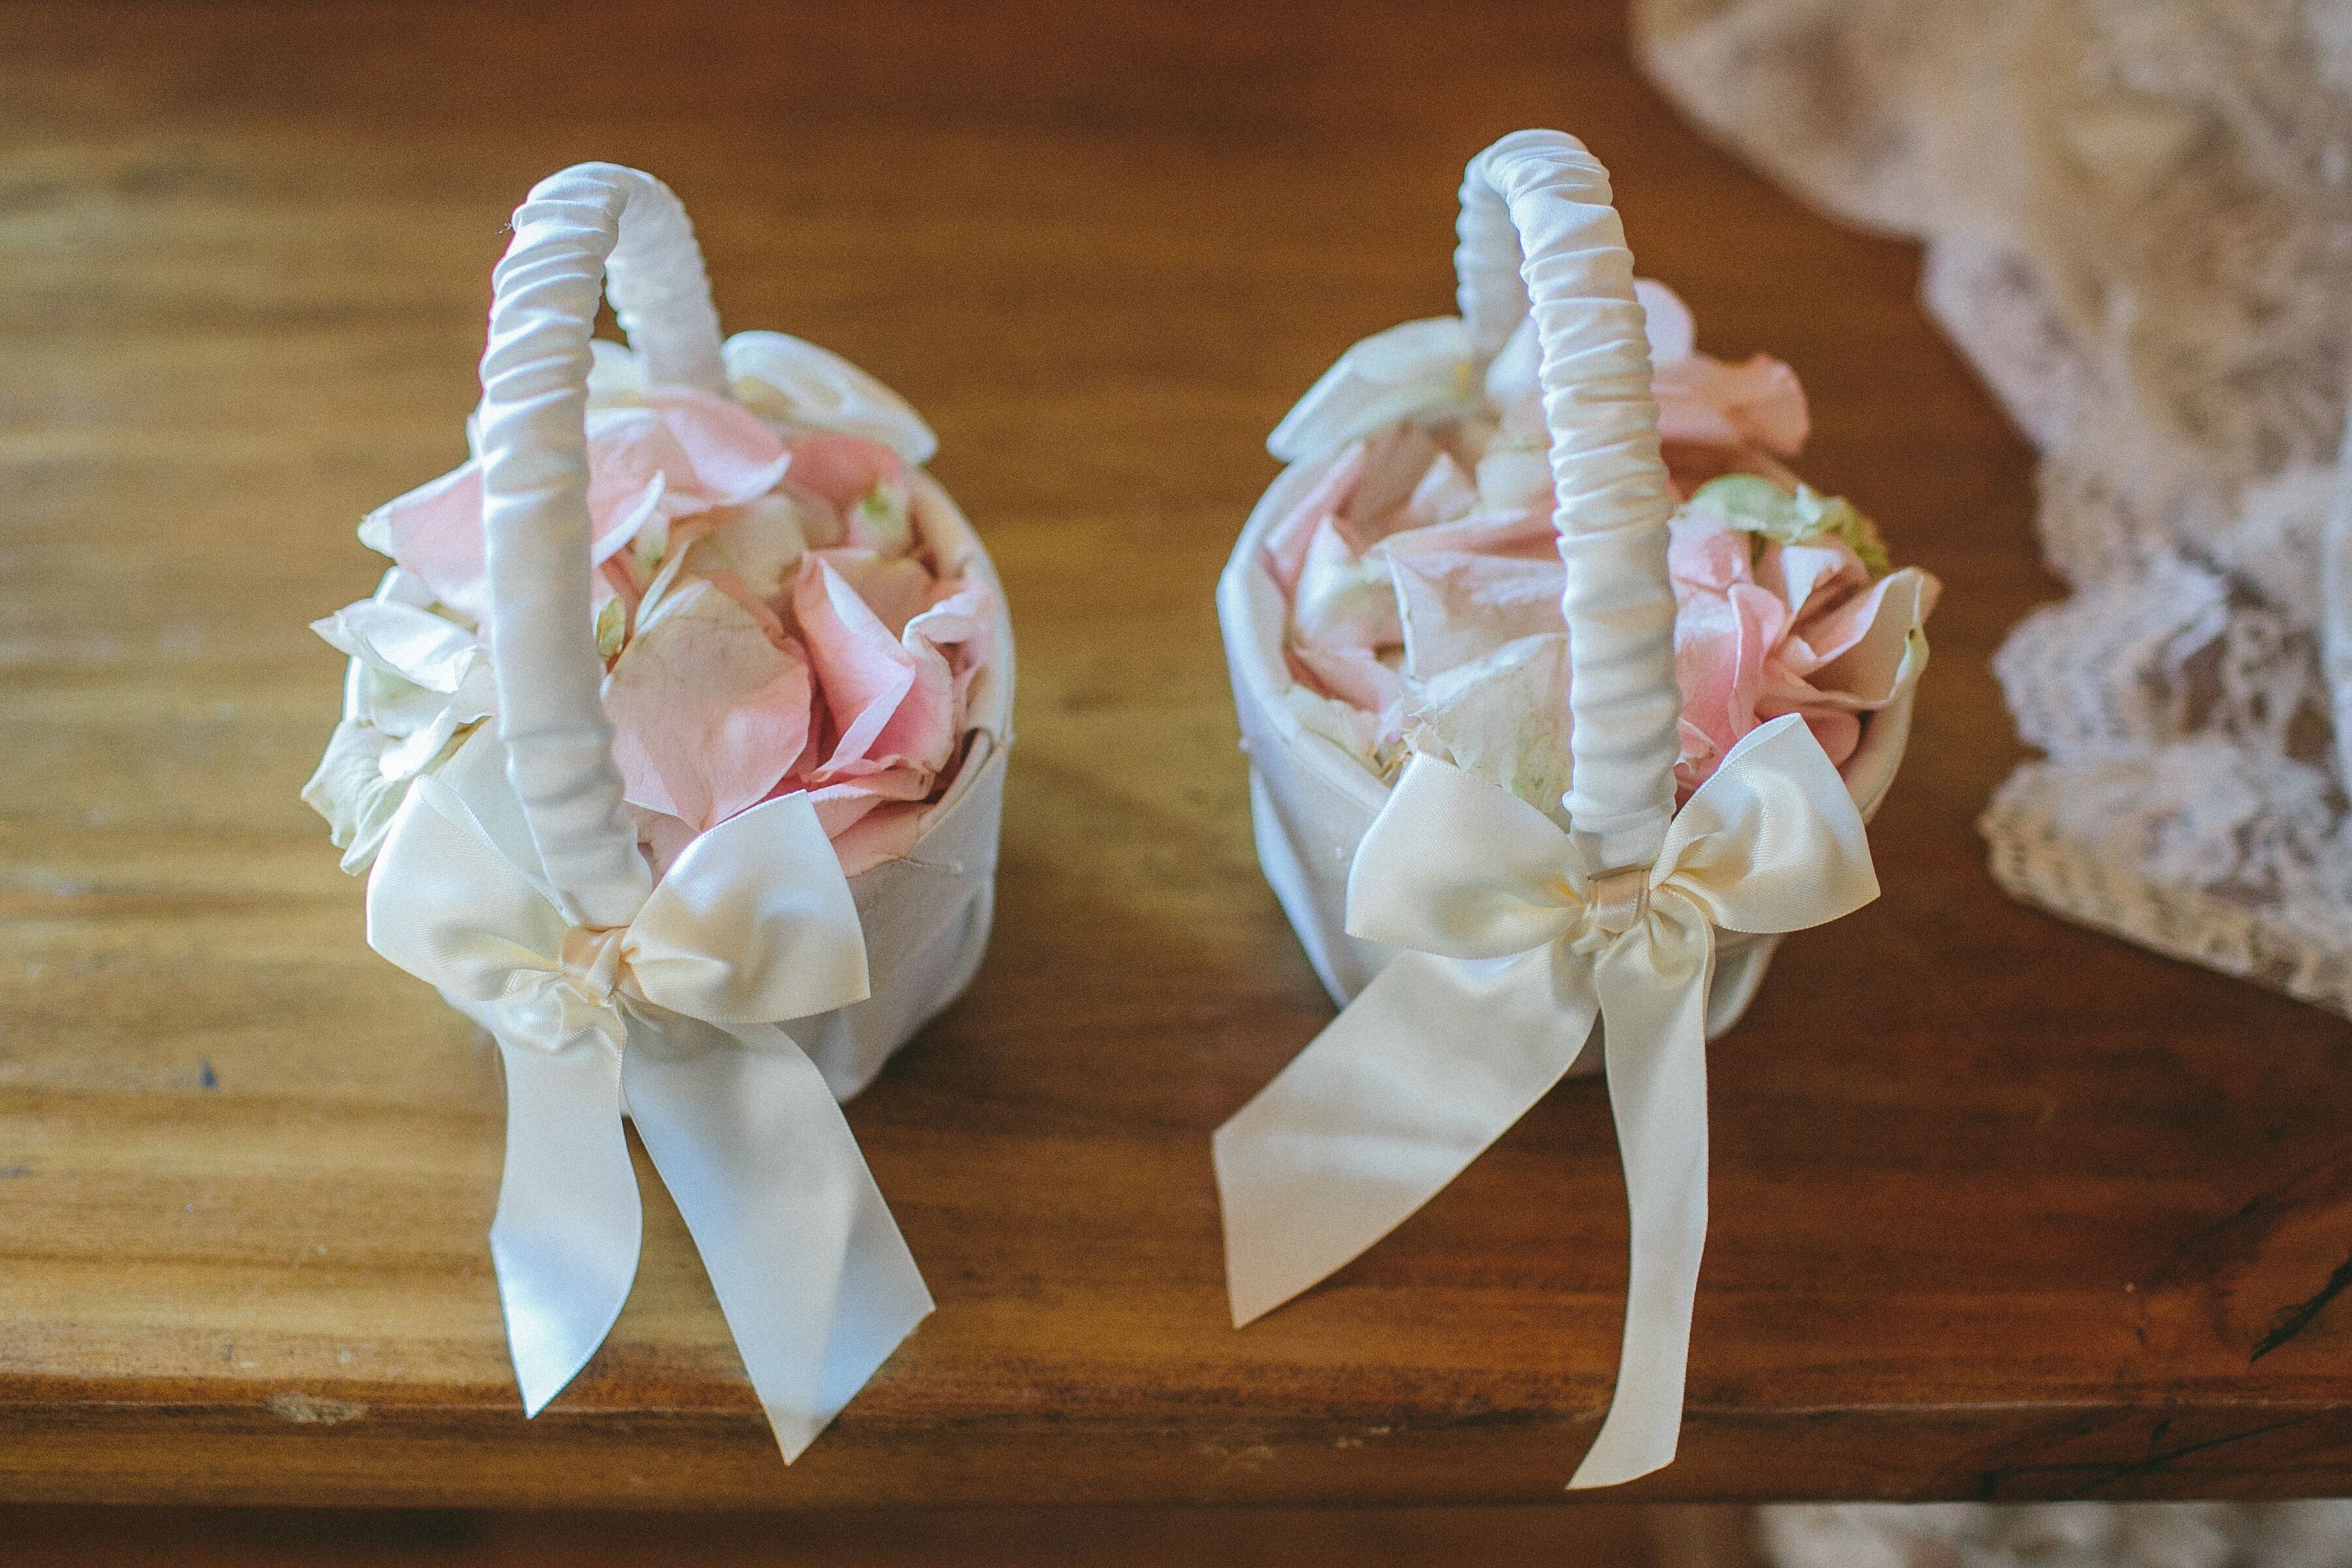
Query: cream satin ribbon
<point x="670" y="1019"/>
<point x="1513" y="949"/>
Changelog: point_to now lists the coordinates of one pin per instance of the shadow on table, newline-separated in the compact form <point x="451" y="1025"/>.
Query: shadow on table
<point x="1589" y="1536"/>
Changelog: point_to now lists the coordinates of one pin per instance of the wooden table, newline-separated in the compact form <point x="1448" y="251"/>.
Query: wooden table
<point x="2003" y="1208"/>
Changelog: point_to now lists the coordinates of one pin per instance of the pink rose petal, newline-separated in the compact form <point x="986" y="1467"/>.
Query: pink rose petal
<point x="702" y="450"/>
<point x="618" y="513"/>
<point x="863" y="670"/>
<point x="1860" y="646"/>
<point x="708" y="713"/>
<point x="1395" y="461"/>
<point x="843" y="468"/>
<point x="843" y="802"/>
<point x="887" y="833"/>
<point x="436" y="532"/>
<point x="897" y="589"/>
<point x="1443" y="494"/>
<point x="895" y="699"/>
<point x="820" y="521"/>
<point x="680" y="453"/>
<point x="1809" y="578"/>
<point x="1722" y="644"/>
<point x="930" y="721"/>
<point x="631" y="460"/>
<point x="1353" y="678"/>
<point x="731" y="453"/>
<point x="1838" y="731"/>
<point x="661" y="837"/>
<point x="1706" y="402"/>
<point x="1286" y="542"/>
<point x="1457" y="607"/>
<point x="1705" y="552"/>
<point x="1522" y="533"/>
<point x="1765" y="403"/>
<point x="1343" y="600"/>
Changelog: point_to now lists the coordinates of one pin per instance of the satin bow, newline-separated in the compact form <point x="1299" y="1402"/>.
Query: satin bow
<point x="1513" y="948"/>
<point x="670" y="1019"/>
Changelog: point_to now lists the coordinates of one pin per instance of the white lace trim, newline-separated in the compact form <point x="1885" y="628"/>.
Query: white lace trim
<point x="2058" y="1535"/>
<point x="2138" y="220"/>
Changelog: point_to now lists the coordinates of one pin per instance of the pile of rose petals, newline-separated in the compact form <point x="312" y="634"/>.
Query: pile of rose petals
<point x="770" y="618"/>
<point x="1420" y="569"/>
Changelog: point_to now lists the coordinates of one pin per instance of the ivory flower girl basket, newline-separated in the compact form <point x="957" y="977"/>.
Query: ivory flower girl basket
<point x="1478" y="922"/>
<point x="674" y="748"/>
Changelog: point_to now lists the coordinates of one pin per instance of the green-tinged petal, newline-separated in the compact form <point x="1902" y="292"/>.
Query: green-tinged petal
<point x="1753" y="504"/>
<point x="883" y="519"/>
<point x="612" y="627"/>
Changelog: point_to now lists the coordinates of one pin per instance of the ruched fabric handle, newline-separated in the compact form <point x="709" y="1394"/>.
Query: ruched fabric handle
<point x="1539" y="234"/>
<point x="577" y="228"/>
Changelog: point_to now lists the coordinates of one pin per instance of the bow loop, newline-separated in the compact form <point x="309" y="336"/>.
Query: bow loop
<point x="1454" y="866"/>
<point x="446" y="905"/>
<point x="1772" y="842"/>
<point x="753" y="924"/>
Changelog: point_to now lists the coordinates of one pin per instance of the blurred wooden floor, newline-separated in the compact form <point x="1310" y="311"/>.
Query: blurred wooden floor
<point x="2001" y="1208"/>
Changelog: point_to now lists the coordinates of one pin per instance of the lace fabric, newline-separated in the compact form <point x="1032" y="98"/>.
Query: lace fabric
<point x="2058" y="1535"/>
<point x="2138" y="222"/>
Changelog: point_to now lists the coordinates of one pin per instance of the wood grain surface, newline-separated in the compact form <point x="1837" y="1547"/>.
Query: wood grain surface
<point x="2003" y="1208"/>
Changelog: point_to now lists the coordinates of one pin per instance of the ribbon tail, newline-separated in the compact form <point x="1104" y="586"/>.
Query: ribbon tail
<point x="1432" y="1062"/>
<point x="569" y="1224"/>
<point x="815" y="1282"/>
<point x="1654" y="1032"/>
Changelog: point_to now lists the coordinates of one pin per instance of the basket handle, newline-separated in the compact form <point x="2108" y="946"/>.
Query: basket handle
<point x="592" y="227"/>
<point x="1539" y="234"/>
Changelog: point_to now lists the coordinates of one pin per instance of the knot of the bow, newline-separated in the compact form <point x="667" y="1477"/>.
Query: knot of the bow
<point x="593" y="959"/>
<point x="753" y="924"/>
<point x="1620" y="899"/>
